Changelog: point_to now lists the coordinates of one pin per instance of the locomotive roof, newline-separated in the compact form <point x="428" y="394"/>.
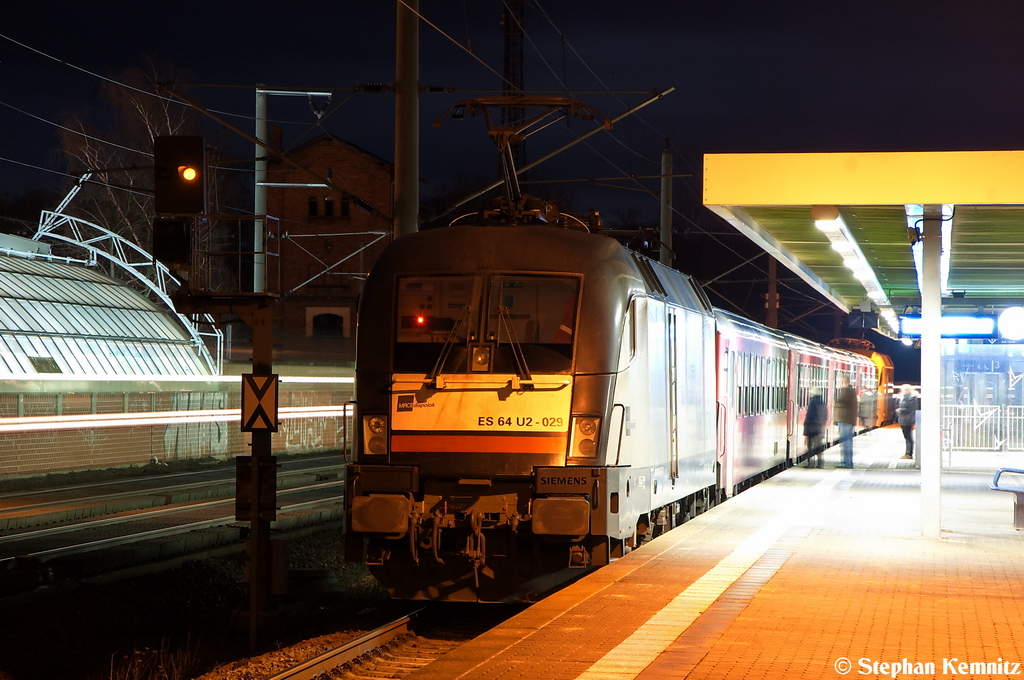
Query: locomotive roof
<point x="469" y="248"/>
<point x="501" y="248"/>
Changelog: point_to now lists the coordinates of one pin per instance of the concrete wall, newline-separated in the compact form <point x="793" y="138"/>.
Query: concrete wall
<point x="60" y="426"/>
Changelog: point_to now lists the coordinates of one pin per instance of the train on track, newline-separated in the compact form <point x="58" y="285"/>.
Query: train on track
<point x="535" y="400"/>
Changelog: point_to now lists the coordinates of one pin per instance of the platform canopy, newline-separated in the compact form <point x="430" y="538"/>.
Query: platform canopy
<point x="880" y="198"/>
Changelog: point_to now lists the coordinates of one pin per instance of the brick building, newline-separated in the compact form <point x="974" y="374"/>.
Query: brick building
<point x="330" y="243"/>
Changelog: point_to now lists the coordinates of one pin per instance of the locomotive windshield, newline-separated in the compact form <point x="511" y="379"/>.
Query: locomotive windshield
<point x="440" y="318"/>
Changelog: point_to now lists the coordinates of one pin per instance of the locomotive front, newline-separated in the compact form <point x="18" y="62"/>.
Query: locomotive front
<point x="471" y="480"/>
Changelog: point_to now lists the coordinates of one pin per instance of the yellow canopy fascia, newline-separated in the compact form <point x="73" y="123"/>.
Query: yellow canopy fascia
<point x="883" y="178"/>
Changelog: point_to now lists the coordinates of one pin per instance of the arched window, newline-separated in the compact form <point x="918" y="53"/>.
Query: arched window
<point x="313" y="207"/>
<point x="328" y="325"/>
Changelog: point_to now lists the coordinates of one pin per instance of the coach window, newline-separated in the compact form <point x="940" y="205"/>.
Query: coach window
<point x="776" y="397"/>
<point x="774" y="389"/>
<point x="745" y="373"/>
<point x="737" y="381"/>
<point x="752" y="382"/>
<point x="756" y="383"/>
<point x="762" y="390"/>
<point x="740" y="379"/>
<point x="752" y="385"/>
<point x="780" y="385"/>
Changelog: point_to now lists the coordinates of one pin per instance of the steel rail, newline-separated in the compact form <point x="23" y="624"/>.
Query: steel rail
<point x="229" y="476"/>
<point x="228" y="479"/>
<point x="153" y="533"/>
<point x="333" y="658"/>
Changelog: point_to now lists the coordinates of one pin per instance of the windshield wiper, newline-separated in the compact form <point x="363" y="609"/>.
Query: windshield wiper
<point x="522" y="370"/>
<point x="449" y="343"/>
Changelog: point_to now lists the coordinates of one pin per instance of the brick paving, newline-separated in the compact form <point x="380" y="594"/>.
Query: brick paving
<point x="788" y="580"/>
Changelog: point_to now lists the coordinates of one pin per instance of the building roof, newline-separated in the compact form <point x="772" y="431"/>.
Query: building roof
<point x="75" y="320"/>
<point x="329" y="138"/>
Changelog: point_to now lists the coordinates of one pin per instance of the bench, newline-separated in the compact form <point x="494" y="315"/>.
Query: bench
<point x="1018" y="495"/>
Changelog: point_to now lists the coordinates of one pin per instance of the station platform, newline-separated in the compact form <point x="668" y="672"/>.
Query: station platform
<point x="815" y="573"/>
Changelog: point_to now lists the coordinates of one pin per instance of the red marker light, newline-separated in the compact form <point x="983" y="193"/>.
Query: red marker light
<point x="420" y="320"/>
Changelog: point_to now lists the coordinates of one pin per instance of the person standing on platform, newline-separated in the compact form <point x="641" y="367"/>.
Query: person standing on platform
<point x="868" y="409"/>
<point x="814" y="430"/>
<point x="845" y="415"/>
<point x="906" y="416"/>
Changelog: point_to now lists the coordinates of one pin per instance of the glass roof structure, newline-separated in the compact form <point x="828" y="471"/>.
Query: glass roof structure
<point x="74" y="320"/>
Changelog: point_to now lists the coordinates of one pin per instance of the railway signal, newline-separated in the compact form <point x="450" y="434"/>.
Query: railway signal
<point x="179" y="175"/>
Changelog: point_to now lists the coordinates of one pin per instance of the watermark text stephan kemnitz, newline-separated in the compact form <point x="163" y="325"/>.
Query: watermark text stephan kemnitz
<point x="906" y="668"/>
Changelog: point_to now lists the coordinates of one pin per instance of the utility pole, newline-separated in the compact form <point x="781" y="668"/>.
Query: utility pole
<point x="772" y="298"/>
<point x="260" y="190"/>
<point x="666" y="205"/>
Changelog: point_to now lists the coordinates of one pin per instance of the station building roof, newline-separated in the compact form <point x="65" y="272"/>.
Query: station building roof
<point x="58" y="318"/>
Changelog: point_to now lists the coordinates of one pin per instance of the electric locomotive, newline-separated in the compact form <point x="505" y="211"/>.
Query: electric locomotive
<point x="533" y="401"/>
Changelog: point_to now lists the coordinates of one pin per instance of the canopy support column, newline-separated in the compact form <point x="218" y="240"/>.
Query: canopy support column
<point x="929" y="427"/>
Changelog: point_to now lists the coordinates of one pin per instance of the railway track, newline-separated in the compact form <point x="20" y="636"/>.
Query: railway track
<point x="89" y="530"/>
<point x="404" y="645"/>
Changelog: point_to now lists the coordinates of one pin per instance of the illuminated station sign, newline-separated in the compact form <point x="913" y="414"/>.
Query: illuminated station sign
<point x="952" y="326"/>
<point x="1008" y="325"/>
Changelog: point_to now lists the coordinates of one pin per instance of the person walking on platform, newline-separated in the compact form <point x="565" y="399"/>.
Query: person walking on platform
<point x="814" y="430"/>
<point x="868" y="409"/>
<point x="845" y="415"/>
<point x="906" y="416"/>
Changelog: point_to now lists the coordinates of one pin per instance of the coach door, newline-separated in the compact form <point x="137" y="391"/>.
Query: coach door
<point x="673" y="392"/>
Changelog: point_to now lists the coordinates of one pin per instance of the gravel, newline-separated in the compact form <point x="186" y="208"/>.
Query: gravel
<point x="183" y="623"/>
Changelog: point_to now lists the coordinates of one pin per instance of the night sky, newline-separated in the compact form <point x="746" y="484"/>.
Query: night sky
<point x="749" y="77"/>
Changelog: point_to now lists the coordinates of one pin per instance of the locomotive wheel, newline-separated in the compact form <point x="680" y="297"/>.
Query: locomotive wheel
<point x="643" y="532"/>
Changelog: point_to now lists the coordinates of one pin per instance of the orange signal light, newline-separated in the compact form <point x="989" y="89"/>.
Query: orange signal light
<point x="420" y="320"/>
<point x="188" y="173"/>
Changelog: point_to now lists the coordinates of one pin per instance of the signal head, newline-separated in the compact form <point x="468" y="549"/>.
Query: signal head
<point x="179" y="166"/>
